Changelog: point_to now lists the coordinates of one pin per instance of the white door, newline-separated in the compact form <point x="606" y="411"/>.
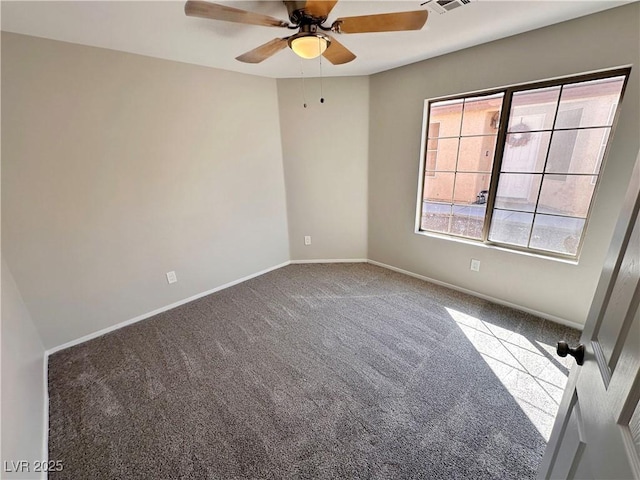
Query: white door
<point x="597" y="431"/>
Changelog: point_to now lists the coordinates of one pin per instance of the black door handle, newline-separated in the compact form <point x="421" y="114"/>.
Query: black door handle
<point x="577" y="353"/>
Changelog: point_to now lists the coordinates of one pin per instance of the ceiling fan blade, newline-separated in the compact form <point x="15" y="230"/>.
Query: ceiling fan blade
<point x="319" y="8"/>
<point x="263" y="52"/>
<point x="385" y="22"/>
<point x="196" y="8"/>
<point x="337" y="53"/>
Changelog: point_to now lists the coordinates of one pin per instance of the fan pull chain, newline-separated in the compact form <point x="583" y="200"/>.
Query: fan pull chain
<point x="321" y="94"/>
<point x="304" y="95"/>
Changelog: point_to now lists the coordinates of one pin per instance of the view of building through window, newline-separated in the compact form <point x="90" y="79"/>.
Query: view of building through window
<point x="533" y="189"/>
<point x="455" y="192"/>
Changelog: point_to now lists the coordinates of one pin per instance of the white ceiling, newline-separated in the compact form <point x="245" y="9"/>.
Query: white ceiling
<point x="161" y="29"/>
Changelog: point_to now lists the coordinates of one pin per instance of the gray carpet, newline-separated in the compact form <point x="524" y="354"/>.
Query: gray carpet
<point x="310" y="371"/>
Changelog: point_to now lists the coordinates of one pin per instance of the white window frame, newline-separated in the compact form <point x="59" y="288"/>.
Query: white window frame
<point x="499" y="151"/>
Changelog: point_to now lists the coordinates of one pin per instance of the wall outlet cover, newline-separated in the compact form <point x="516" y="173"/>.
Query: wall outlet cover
<point x="475" y="265"/>
<point x="171" y="277"/>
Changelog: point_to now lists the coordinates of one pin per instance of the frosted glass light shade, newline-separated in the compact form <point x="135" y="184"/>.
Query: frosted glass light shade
<point x="309" y="46"/>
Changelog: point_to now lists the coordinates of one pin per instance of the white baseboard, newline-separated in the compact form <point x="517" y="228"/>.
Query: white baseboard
<point x="332" y="260"/>
<point x="144" y="316"/>
<point x="546" y="316"/>
<point x="91" y="336"/>
<point x="45" y="448"/>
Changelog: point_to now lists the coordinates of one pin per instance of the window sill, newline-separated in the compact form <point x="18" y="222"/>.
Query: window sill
<point x="489" y="246"/>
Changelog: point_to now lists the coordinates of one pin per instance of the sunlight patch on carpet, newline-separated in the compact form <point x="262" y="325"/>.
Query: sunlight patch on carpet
<point x="529" y="371"/>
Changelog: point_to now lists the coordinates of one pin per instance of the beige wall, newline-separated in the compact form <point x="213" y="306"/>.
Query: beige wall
<point x="118" y="168"/>
<point x="563" y="290"/>
<point x="325" y="148"/>
<point x="23" y="383"/>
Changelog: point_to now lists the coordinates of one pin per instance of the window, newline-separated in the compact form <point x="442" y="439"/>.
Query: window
<point x="431" y="155"/>
<point x="518" y="167"/>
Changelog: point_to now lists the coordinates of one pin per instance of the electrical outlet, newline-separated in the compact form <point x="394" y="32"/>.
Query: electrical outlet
<point x="475" y="265"/>
<point x="171" y="277"/>
<point x="307" y="240"/>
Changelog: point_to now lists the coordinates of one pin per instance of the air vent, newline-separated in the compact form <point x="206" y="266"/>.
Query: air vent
<point x="443" y="6"/>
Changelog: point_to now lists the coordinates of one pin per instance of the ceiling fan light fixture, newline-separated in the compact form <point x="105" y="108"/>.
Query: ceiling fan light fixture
<point x="309" y="18"/>
<point x="309" y="45"/>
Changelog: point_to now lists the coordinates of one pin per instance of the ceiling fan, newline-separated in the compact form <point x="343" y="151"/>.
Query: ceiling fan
<point x="308" y="18"/>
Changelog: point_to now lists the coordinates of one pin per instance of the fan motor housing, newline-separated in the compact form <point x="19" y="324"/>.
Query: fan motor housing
<point x="298" y="15"/>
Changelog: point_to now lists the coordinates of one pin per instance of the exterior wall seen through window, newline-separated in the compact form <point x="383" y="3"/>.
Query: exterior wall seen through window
<point x="519" y="167"/>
